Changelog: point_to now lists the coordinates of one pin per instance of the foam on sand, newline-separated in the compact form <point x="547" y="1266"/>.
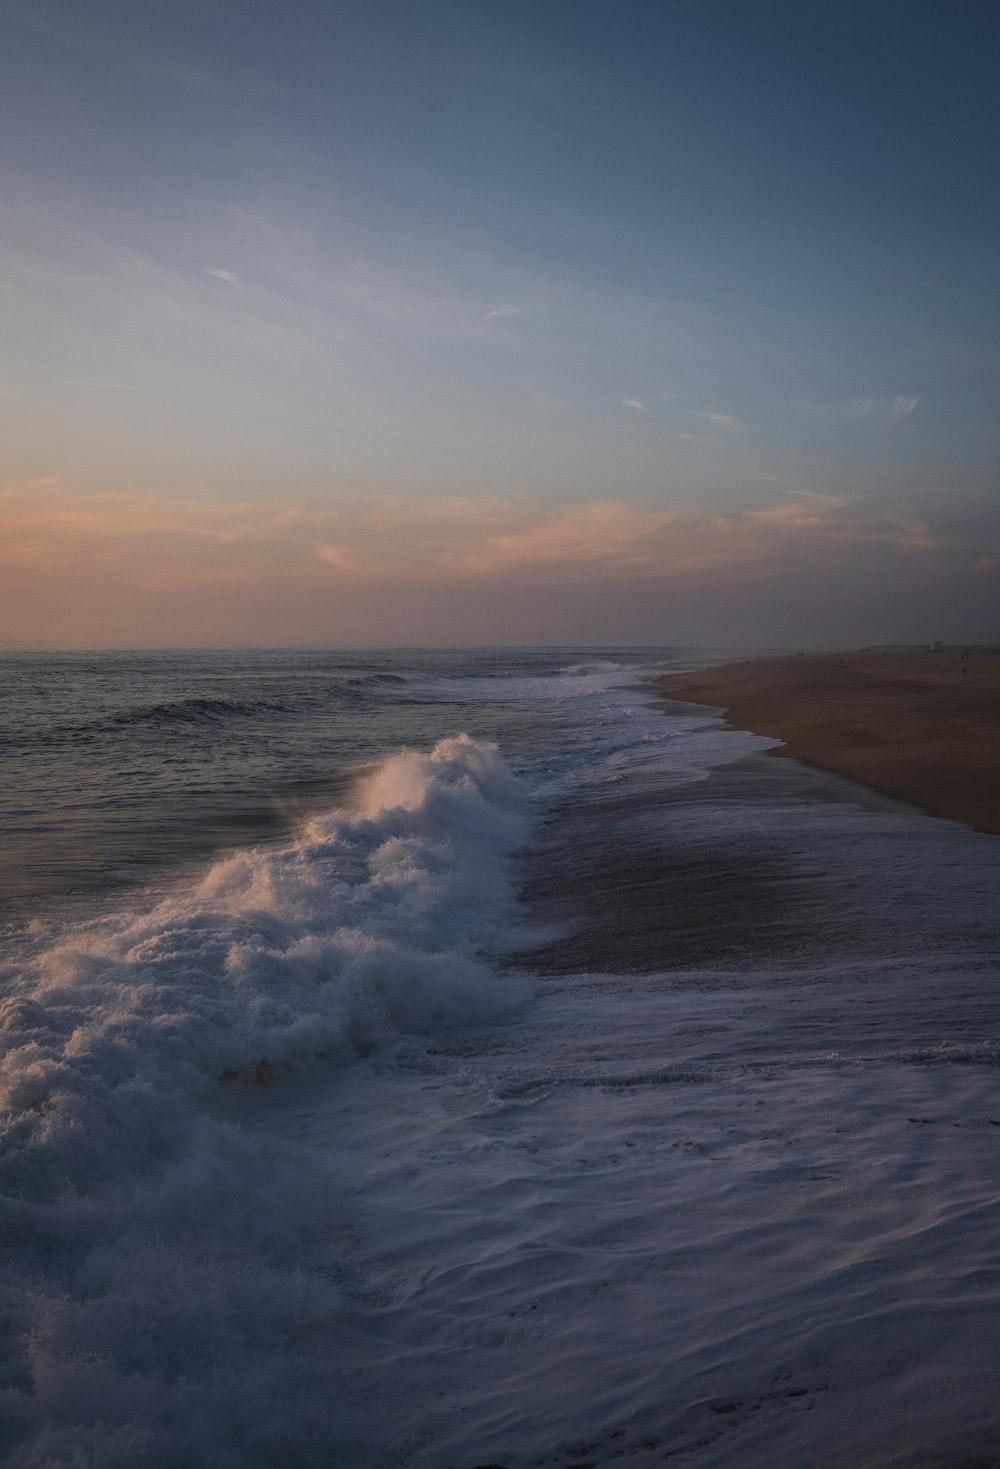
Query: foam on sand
<point x="918" y="726"/>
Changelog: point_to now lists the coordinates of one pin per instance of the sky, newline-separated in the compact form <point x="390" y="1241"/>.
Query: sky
<point x="486" y="321"/>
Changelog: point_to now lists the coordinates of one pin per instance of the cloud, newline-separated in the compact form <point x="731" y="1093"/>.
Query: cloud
<point x="229" y="276"/>
<point x="886" y="410"/>
<point x="636" y="403"/>
<point x="512" y="538"/>
<point x="85" y="567"/>
<point x="717" y="420"/>
<point x="399" y="540"/>
<point x="339" y="556"/>
<point x="428" y="304"/>
<point x="892" y="408"/>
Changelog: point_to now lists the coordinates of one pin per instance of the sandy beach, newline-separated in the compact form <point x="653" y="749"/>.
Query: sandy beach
<point x="920" y="726"/>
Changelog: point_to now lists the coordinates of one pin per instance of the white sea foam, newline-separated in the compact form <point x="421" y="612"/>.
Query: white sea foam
<point x="153" y="1246"/>
<point x="612" y="726"/>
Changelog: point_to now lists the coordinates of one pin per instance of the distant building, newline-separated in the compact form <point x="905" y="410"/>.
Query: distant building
<point x="936" y="646"/>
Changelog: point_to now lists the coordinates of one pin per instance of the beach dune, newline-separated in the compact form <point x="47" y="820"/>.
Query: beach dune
<point x="921" y="726"/>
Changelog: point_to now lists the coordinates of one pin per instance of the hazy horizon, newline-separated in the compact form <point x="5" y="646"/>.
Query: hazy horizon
<point x="727" y="649"/>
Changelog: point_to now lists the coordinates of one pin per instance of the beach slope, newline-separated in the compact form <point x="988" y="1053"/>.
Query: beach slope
<point x="921" y="726"/>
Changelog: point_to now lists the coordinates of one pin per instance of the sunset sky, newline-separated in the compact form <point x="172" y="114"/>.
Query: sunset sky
<point x="395" y="321"/>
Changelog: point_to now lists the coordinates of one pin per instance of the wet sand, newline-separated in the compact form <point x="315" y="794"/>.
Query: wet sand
<point x="923" y="727"/>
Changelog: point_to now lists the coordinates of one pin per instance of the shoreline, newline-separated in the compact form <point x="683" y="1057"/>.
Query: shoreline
<point x="921" y="727"/>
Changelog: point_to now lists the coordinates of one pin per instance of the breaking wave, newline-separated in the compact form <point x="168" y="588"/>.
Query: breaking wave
<point x="156" y="1255"/>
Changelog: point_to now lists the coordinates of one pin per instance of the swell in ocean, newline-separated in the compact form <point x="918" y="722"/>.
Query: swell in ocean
<point x="585" y="1087"/>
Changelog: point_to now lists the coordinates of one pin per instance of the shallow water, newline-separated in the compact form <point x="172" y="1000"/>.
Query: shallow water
<point x="615" y="1096"/>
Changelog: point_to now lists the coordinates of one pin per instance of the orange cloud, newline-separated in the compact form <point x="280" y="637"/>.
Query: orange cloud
<point x="64" y="553"/>
<point x="407" y="540"/>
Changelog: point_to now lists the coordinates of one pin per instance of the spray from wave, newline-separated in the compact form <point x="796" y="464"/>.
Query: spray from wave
<point x="161" y="1306"/>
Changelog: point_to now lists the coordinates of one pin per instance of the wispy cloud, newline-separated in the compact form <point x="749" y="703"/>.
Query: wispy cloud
<point x="339" y="556"/>
<point x="229" y="276"/>
<point x="425" y="303"/>
<point x="886" y="410"/>
<point x="82" y="566"/>
<point x="717" y="420"/>
<point x="636" y="403"/>
<point x="895" y="408"/>
<point x="400" y="540"/>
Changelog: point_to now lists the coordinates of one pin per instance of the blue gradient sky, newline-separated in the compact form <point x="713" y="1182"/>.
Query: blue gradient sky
<point x="478" y="321"/>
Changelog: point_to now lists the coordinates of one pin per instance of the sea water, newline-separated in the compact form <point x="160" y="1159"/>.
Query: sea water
<point x="469" y="1057"/>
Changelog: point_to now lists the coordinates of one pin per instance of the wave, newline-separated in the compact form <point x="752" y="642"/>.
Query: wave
<point x="202" y="710"/>
<point x="600" y="665"/>
<point x="184" y="712"/>
<point x="197" y="711"/>
<point x="152" y="1248"/>
<point x="375" y="679"/>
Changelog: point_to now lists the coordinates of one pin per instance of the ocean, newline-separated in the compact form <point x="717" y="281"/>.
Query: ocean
<point x="434" y="1059"/>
